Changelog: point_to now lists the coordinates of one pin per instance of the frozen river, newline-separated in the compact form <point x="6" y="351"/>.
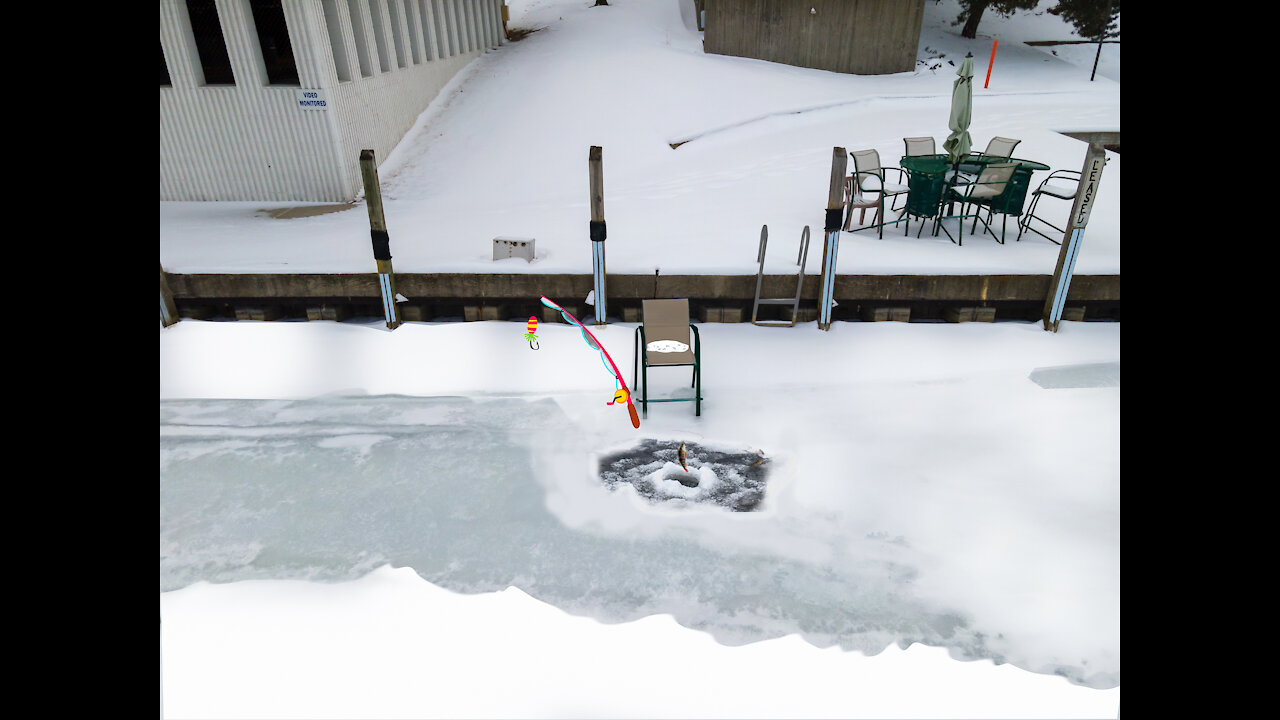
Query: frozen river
<point x="471" y="494"/>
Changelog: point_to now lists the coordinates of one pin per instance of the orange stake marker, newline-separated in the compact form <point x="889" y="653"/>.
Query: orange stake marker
<point x="994" y="43"/>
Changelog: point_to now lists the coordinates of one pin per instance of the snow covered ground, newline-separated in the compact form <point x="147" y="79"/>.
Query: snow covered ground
<point x="955" y="486"/>
<point x="503" y="152"/>
<point x="357" y="522"/>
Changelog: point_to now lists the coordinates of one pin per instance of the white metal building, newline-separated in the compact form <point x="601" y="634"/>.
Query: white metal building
<point x="275" y="99"/>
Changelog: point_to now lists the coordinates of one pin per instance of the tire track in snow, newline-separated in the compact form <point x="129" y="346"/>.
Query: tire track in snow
<point x="682" y="139"/>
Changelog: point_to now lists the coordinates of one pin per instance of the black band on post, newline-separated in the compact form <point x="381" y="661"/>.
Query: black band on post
<point x="833" y="218"/>
<point x="597" y="231"/>
<point x="381" y="245"/>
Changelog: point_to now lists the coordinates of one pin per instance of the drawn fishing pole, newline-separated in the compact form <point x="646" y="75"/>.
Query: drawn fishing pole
<point x="621" y="394"/>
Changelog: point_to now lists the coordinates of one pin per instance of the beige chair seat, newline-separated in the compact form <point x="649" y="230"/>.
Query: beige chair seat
<point x="873" y="184"/>
<point x="1065" y="192"/>
<point x="1061" y="185"/>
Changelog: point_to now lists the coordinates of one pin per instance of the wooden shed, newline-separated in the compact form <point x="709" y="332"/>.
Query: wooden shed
<point x="866" y="37"/>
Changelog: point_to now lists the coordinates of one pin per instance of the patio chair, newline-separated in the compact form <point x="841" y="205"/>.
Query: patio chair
<point x="1060" y="185"/>
<point x="869" y="176"/>
<point x="999" y="147"/>
<point x="983" y="192"/>
<point x="920" y="146"/>
<point x="854" y="198"/>
<point x="662" y="340"/>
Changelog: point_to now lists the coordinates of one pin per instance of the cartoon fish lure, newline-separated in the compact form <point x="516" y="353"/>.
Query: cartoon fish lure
<point x="532" y="327"/>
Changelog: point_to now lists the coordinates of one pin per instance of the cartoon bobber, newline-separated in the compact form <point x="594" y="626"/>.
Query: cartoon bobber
<point x="532" y="328"/>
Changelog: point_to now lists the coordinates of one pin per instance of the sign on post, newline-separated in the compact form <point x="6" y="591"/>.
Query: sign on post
<point x="1088" y="188"/>
<point x="1090" y="176"/>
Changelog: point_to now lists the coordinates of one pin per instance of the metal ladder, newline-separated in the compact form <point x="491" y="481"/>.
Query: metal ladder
<point x="794" y="302"/>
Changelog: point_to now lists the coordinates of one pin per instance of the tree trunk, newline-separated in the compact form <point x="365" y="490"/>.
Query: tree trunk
<point x="975" y="16"/>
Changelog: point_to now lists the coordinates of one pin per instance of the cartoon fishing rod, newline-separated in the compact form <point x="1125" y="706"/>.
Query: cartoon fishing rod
<point x="532" y="328"/>
<point x="621" y="394"/>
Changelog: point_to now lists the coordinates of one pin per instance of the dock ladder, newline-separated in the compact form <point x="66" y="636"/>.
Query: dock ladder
<point x="794" y="302"/>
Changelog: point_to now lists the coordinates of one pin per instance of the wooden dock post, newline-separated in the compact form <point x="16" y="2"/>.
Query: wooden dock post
<point x="1090" y="175"/>
<point x="168" y="309"/>
<point x="381" y="241"/>
<point x="835" y="209"/>
<point x="595" y="168"/>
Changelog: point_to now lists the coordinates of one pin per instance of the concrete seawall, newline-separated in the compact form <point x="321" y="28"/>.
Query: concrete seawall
<point x="722" y="298"/>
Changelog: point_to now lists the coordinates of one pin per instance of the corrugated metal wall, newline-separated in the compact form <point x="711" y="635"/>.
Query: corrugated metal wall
<point x="866" y="37"/>
<point x="251" y="141"/>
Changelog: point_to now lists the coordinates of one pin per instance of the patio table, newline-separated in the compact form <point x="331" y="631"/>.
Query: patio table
<point x="928" y="184"/>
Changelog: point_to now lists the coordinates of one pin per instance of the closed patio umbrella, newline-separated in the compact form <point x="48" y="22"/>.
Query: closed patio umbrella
<point x="958" y="143"/>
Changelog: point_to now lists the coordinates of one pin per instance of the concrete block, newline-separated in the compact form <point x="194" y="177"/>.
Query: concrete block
<point x="258" y="313"/>
<point x="984" y="314"/>
<point x="731" y="315"/>
<point x="631" y="314"/>
<point x="414" y="313"/>
<point x="957" y="315"/>
<point x="882" y="314"/>
<point x="509" y="247"/>
<point x="472" y="313"/>
<point x="709" y="314"/>
<point x="195" y="312"/>
<point x="551" y="315"/>
<point x="328" y="312"/>
<point x="803" y="314"/>
<point x="1074" y="314"/>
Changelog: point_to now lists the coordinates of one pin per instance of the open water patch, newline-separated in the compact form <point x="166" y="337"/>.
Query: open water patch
<point x="1093" y="375"/>
<point x="731" y="478"/>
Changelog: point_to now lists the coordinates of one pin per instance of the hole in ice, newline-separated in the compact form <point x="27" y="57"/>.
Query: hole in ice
<point x="727" y="477"/>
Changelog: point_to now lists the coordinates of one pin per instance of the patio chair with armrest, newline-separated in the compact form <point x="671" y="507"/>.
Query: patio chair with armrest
<point x="998" y="148"/>
<point x="662" y="340"/>
<point x="869" y="176"/>
<point x="855" y="199"/>
<point x="1060" y="185"/>
<point x="985" y="191"/>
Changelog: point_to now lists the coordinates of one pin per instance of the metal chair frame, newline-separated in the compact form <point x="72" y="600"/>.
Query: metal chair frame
<point x="852" y="184"/>
<point x="966" y="199"/>
<point x="641" y="365"/>
<point x="863" y="205"/>
<point x="1024" y="222"/>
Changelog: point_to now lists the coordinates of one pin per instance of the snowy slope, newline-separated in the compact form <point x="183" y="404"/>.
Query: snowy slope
<point x="502" y="152"/>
